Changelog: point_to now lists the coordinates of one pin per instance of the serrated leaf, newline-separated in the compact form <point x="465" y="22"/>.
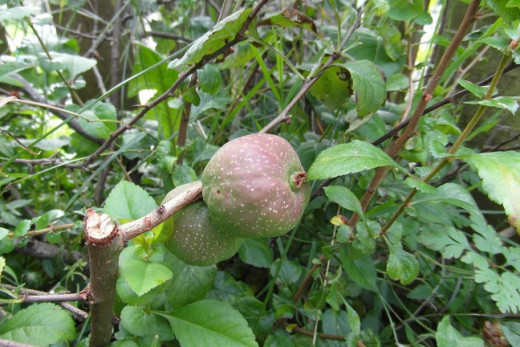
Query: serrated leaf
<point x="504" y="102"/>
<point x="475" y="89"/>
<point x="345" y="198"/>
<point x="140" y="275"/>
<point x="453" y="194"/>
<point x="128" y="201"/>
<point x="500" y="173"/>
<point x="511" y="331"/>
<point x="39" y="324"/>
<point x="210" y="323"/>
<point x="190" y="283"/>
<point x="512" y="255"/>
<point x="348" y="158"/>
<point x="402" y="266"/>
<point x="447" y="336"/>
<point x="504" y="288"/>
<point x="256" y="252"/>
<point x="140" y="322"/>
<point x="368" y="84"/>
<point x="485" y="238"/>
<point x="449" y="241"/>
<point x="213" y="40"/>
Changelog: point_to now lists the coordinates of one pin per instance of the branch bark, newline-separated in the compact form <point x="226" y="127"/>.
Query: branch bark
<point x="104" y="246"/>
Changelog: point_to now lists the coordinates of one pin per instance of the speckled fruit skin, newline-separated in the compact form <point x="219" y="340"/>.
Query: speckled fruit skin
<point x="196" y="240"/>
<point x="255" y="187"/>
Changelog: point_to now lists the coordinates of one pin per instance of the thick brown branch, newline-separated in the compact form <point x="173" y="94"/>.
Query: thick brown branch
<point x="394" y="148"/>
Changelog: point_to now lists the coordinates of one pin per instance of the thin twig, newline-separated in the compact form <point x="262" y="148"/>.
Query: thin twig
<point x="238" y="38"/>
<point x="58" y="111"/>
<point x="396" y="147"/>
<point x="450" y="99"/>
<point x="165" y="35"/>
<point x="284" y="115"/>
<point x="46" y="230"/>
<point x="185" y="118"/>
<point x="78" y="313"/>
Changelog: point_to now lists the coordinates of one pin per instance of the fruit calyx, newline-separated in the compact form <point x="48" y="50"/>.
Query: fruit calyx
<point x="296" y="180"/>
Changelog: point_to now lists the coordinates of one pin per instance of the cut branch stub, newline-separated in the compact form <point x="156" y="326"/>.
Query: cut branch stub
<point x="100" y="229"/>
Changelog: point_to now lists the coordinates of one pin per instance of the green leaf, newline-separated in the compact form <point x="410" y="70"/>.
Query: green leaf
<point x="505" y="9"/>
<point x="485" y="238"/>
<point x="39" y="324"/>
<point x="500" y="173"/>
<point x="447" y="336"/>
<point x="361" y="270"/>
<point x="3" y="233"/>
<point x="223" y="32"/>
<point x="511" y="331"/>
<point x="18" y="12"/>
<point x="2" y="266"/>
<point x="507" y="103"/>
<point x="210" y="323"/>
<point x="333" y="87"/>
<point x="353" y="318"/>
<point x="288" y="18"/>
<point x="451" y="193"/>
<point x="99" y="119"/>
<point x="475" y="89"/>
<point x="402" y="266"/>
<point x="226" y="288"/>
<point x="183" y="174"/>
<point x="128" y="201"/>
<point x="420" y="186"/>
<point x="75" y="64"/>
<point x="159" y="78"/>
<point x="210" y="79"/>
<point x="449" y="241"/>
<point x="190" y="283"/>
<point x="140" y="275"/>
<point x="369" y="86"/>
<point x="22" y="228"/>
<point x="345" y="198"/>
<point x="256" y="252"/>
<point x="504" y="288"/>
<point x="348" y="158"/>
<point x="141" y="322"/>
<point x="404" y="10"/>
